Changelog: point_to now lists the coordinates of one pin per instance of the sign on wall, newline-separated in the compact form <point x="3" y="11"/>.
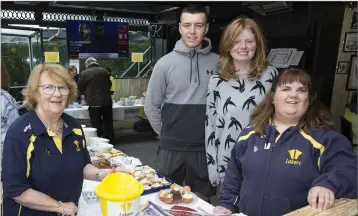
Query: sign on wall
<point x="52" y="57"/>
<point x="137" y="57"/>
<point x="157" y="31"/>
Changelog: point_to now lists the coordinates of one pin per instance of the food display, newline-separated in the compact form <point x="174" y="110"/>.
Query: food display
<point x="176" y="195"/>
<point x="111" y="154"/>
<point x="115" y="158"/>
<point x="101" y="163"/>
<point x="150" y="179"/>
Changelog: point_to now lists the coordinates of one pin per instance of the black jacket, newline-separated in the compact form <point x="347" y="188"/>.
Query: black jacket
<point x="94" y="83"/>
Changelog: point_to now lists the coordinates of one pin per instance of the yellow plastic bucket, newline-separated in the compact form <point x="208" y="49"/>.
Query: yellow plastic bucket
<point x="119" y="195"/>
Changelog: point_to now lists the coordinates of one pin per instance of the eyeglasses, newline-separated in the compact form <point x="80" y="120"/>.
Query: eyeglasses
<point x="49" y="89"/>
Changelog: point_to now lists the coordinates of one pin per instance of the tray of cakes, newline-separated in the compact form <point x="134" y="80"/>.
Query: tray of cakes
<point x="177" y="195"/>
<point x="152" y="180"/>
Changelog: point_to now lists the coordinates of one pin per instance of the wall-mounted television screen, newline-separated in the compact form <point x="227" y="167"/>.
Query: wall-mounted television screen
<point x="97" y="39"/>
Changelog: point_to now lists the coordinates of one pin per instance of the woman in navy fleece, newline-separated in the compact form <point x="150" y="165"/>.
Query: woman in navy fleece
<point x="289" y="156"/>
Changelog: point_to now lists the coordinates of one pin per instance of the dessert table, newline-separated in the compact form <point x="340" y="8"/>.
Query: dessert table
<point x="94" y="209"/>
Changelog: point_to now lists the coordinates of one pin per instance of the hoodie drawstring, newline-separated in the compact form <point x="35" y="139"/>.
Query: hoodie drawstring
<point x="191" y="65"/>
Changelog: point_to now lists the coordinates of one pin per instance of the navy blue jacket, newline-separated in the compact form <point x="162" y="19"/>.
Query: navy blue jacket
<point x="34" y="158"/>
<point x="272" y="174"/>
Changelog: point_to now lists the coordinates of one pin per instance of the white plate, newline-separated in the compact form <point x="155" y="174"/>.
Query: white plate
<point x="168" y="206"/>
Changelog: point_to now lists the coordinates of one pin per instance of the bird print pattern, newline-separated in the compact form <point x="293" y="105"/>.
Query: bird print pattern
<point x="229" y="105"/>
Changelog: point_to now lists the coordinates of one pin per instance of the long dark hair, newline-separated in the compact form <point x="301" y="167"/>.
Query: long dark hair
<point x="316" y="117"/>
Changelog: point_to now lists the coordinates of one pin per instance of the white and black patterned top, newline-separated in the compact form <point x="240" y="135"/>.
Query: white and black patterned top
<point x="229" y="105"/>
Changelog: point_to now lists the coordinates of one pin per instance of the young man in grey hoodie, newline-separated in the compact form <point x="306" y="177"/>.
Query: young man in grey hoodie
<point x="176" y="103"/>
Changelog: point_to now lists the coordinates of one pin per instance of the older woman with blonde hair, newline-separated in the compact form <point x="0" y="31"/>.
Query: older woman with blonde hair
<point x="45" y="155"/>
<point x="244" y="78"/>
<point x="289" y="156"/>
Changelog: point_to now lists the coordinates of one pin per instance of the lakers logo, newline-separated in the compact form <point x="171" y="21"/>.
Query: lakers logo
<point x="126" y="207"/>
<point x="77" y="145"/>
<point x="294" y="155"/>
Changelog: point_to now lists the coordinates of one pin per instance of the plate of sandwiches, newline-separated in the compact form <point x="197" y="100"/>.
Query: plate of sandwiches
<point x="112" y="153"/>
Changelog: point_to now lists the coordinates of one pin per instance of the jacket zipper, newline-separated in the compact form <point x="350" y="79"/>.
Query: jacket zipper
<point x="268" y="175"/>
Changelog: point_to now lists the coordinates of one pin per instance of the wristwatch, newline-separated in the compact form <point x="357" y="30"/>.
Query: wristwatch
<point x="97" y="175"/>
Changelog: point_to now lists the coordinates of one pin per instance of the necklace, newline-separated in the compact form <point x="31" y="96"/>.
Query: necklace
<point x="57" y="131"/>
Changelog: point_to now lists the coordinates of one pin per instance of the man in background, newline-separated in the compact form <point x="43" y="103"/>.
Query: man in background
<point x="94" y="83"/>
<point x="176" y="103"/>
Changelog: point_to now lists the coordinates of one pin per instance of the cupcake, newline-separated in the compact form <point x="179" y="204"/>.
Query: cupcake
<point x="187" y="189"/>
<point x="161" y="194"/>
<point x="175" y="188"/>
<point x="176" y="191"/>
<point x="168" y="198"/>
<point x="187" y="198"/>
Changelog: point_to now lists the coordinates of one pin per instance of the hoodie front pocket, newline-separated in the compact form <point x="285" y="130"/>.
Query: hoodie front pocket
<point x="275" y="206"/>
<point x="249" y="204"/>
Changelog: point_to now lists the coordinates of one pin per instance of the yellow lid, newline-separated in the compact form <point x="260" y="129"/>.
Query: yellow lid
<point x="120" y="187"/>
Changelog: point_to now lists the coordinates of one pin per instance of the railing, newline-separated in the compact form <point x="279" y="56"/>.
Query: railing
<point x="134" y="63"/>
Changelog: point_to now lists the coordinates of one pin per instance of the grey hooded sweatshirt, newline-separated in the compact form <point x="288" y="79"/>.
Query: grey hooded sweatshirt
<point x="176" y="96"/>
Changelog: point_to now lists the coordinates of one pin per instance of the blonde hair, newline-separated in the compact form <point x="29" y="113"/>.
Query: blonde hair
<point x="259" y="61"/>
<point x="55" y="72"/>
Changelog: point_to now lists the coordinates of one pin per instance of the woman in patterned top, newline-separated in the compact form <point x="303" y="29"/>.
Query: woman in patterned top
<point x="244" y="79"/>
<point x="9" y="110"/>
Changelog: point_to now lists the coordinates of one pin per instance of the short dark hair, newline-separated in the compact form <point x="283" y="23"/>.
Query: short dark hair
<point x="195" y="9"/>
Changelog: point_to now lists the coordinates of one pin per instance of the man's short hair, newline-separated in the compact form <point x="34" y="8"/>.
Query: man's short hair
<point x="195" y="9"/>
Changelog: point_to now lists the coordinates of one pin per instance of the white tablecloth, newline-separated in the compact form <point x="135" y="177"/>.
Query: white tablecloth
<point x="95" y="209"/>
<point x="119" y="112"/>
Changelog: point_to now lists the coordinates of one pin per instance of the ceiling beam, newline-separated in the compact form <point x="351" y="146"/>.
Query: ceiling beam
<point x="169" y="9"/>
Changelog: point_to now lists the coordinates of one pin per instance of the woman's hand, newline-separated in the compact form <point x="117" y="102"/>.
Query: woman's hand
<point x="68" y="208"/>
<point x="320" y="198"/>
<point x="221" y="211"/>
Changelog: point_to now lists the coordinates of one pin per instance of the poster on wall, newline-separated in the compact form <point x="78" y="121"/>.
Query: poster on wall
<point x="354" y="21"/>
<point x="97" y="39"/>
<point x="350" y="42"/>
<point x="352" y="78"/>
